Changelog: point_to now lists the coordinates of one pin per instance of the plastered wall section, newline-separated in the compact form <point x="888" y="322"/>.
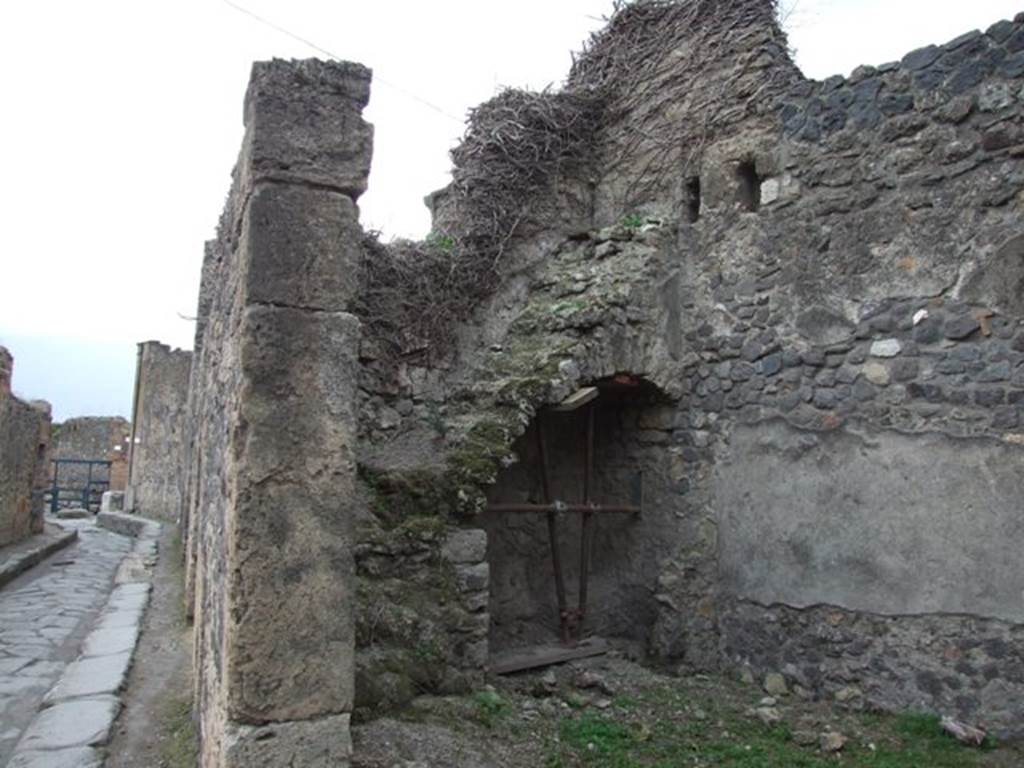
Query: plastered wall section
<point x="156" y="476"/>
<point x="24" y="441"/>
<point x="272" y="428"/>
<point x="884" y="523"/>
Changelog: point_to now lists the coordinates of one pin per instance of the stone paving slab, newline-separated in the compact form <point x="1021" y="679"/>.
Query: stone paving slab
<point x="91" y="677"/>
<point x="120" y="617"/>
<point x="106" y="642"/>
<point x="77" y="723"/>
<point x="83" y="704"/>
<point x="44" y="615"/>
<point x="125" y="590"/>
<point x="18" y="558"/>
<point x="76" y="757"/>
<point x="121" y="600"/>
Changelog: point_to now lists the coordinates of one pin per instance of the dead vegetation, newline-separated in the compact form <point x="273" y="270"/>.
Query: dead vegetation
<point x="515" y="145"/>
<point x="518" y="145"/>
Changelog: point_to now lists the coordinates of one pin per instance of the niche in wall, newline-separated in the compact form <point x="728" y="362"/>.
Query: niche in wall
<point x="691" y="199"/>
<point x="748" y="187"/>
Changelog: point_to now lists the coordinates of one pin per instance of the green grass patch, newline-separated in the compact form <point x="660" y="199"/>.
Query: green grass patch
<point x="490" y="708"/>
<point x="599" y="742"/>
<point x="657" y="730"/>
<point x="704" y="723"/>
<point x="918" y="725"/>
<point x="916" y="738"/>
<point x="598" y="735"/>
<point x="632" y="221"/>
<point x="179" y="748"/>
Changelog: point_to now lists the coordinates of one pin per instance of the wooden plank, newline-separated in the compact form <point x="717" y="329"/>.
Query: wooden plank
<point x="577" y="399"/>
<point x="521" y="659"/>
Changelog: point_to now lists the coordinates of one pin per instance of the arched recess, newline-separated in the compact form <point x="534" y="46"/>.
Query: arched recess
<point x="632" y="433"/>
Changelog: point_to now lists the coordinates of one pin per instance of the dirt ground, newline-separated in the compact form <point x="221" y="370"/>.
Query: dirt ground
<point x="607" y="712"/>
<point x="154" y="729"/>
<point x="615" y="713"/>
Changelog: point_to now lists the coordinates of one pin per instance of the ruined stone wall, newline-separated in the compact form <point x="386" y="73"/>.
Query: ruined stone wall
<point x="192" y="467"/>
<point x="90" y="437"/>
<point x="822" y="281"/>
<point x="158" y="431"/>
<point x="6" y="371"/>
<point x="829" y="292"/>
<point x="421" y="611"/>
<point x="105" y="438"/>
<point x="24" y="446"/>
<point x="272" y="426"/>
<point x="690" y="74"/>
<point x="857" y="406"/>
<point x="433" y="438"/>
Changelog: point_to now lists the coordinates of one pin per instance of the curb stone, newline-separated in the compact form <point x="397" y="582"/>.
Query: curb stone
<point x="20" y="562"/>
<point x="129" y="525"/>
<point x="78" y="713"/>
<point x="83" y="757"/>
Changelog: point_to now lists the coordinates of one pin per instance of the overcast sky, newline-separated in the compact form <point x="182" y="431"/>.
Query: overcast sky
<point x="122" y="120"/>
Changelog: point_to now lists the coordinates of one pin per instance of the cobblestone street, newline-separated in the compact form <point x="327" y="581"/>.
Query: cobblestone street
<point x="44" y="616"/>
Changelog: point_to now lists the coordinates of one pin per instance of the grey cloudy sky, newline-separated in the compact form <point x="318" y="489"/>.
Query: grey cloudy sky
<point x="123" y="119"/>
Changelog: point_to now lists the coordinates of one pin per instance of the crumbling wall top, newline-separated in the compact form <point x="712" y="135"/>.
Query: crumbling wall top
<point x="6" y="366"/>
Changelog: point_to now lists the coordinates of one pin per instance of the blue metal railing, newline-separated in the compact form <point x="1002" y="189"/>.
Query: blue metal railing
<point x="87" y="492"/>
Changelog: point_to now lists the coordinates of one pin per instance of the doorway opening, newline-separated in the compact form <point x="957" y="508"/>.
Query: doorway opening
<point x="577" y="527"/>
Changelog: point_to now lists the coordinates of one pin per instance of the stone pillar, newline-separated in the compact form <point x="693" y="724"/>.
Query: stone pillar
<point x="271" y="500"/>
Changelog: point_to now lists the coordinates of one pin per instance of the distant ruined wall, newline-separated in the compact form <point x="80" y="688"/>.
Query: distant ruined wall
<point x="272" y="424"/>
<point x="24" y="446"/>
<point x="156" y="475"/>
<point x="93" y="437"/>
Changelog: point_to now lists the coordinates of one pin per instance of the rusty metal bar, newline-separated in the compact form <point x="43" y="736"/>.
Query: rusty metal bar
<point x="556" y="558"/>
<point x="542" y="460"/>
<point x="560" y="506"/>
<point x="585" y="532"/>
<point x="588" y="455"/>
<point x="563" y="614"/>
<point x="571" y="619"/>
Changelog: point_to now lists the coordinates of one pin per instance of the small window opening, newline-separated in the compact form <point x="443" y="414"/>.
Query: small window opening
<point x="693" y="199"/>
<point x="748" y="192"/>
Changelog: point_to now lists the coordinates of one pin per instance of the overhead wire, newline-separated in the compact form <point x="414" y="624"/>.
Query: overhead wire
<point x="320" y="49"/>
